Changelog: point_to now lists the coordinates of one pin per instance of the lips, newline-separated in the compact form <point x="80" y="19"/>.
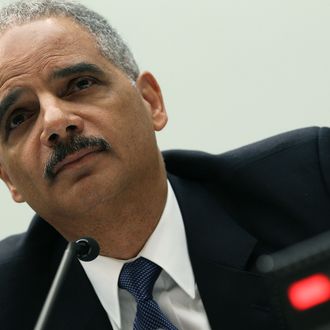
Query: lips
<point x="73" y="158"/>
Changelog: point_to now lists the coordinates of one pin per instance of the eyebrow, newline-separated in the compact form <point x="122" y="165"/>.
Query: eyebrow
<point x="10" y="99"/>
<point x="82" y="67"/>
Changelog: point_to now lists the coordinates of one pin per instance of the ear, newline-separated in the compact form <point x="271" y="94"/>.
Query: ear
<point x="152" y="95"/>
<point x="16" y="196"/>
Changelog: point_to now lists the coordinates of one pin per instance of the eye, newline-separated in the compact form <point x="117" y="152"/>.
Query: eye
<point x="18" y="118"/>
<point x="81" y="83"/>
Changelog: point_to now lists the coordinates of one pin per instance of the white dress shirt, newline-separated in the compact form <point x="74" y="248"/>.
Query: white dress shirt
<point x="175" y="290"/>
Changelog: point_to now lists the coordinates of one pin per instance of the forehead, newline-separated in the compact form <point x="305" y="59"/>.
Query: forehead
<point x="43" y="45"/>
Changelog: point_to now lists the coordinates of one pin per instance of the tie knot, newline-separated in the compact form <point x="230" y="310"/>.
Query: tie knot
<point x="138" y="278"/>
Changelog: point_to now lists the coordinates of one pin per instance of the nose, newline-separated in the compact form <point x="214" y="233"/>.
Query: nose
<point x="60" y="121"/>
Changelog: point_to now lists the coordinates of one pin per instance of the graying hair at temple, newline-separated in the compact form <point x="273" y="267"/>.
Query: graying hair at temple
<point x="109" y="41"/>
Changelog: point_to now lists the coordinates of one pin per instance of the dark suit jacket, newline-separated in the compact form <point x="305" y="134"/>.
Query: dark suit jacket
<point x="235" y="206"/>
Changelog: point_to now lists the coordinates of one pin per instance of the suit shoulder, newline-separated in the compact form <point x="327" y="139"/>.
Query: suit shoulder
<point x="297" y="142"/>
<point x="10" y="247"/>
<point x="36" y="242"/>
<point x="201" y="165"/>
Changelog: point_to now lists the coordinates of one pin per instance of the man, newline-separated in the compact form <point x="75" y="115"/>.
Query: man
<point x="77" y="144"/>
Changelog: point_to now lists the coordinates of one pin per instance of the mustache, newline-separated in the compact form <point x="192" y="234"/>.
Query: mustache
<point x="76" y="143"/>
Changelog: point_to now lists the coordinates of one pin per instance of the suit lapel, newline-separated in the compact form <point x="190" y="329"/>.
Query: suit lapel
<point x="219" y="250"/>
<point x="78" y="306"/>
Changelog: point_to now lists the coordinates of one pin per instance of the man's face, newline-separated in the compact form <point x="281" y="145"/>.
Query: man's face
<point x="59" y="94"/>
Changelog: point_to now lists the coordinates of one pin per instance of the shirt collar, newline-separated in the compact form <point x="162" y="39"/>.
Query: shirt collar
<point x="167" y="247"/>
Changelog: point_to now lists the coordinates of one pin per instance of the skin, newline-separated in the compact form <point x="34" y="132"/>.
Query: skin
<point x="116" y="196"/>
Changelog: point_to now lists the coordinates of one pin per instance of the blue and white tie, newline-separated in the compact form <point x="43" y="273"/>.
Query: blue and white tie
<point x="138" y="278"/>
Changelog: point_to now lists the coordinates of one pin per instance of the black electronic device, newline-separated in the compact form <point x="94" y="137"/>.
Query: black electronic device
<point x="301" y="283"/>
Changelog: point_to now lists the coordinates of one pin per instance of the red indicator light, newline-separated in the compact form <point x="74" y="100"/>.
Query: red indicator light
<point x="309" y="292"/>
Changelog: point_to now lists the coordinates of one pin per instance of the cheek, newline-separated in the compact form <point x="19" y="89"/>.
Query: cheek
<point x="134" y="132"/>
<point x="24" y="166"/>
<point x="20" y="173"/>
<point x="124" y="118"/>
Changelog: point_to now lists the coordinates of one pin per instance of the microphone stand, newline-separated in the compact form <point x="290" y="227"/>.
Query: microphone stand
<point x="85" y="249"/>
<point x="68" y="255"/>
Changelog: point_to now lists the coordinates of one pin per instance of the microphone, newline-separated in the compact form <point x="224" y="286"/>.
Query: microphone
<point x="86" y="249"/>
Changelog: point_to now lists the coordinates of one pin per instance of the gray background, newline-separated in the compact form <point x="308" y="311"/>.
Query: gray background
<point x="232" y="71"/>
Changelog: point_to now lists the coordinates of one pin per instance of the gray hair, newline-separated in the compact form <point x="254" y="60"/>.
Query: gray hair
<point x="107" y="38"/>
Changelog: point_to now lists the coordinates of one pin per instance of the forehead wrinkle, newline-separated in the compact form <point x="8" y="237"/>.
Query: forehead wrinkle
<point x="10" y="70"/>
<point x="20" y="71"/>
<point x="37" y="59"/>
